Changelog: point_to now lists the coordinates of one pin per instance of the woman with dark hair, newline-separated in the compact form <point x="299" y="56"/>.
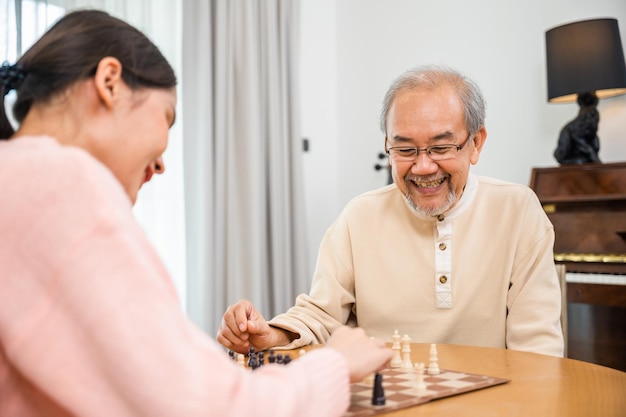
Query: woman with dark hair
<point x="89" y="320"/>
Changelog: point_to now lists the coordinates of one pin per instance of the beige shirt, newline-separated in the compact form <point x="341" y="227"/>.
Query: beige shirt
<point x="482" y="275"/>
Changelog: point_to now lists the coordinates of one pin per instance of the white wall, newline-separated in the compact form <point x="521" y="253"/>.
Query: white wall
<point x="353" y="49"/>
<point x="320" y="123"/>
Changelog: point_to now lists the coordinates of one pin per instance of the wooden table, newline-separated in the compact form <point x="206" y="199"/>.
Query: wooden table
<point x="540" y="385"/>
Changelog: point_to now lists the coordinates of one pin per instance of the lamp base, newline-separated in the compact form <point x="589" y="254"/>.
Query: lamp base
<point x="578" y="141"/>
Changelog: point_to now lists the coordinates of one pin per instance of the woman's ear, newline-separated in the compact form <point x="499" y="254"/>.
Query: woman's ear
<point x="108" y="79"/>
<point x="479" y="141"/>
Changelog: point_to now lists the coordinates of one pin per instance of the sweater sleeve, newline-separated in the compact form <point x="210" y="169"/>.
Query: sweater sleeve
<point x="534" y="301"/>
<point x="331" y="300"/>
<point x="95" y="325"/>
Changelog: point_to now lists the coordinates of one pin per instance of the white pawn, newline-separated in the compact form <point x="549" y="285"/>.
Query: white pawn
<point x="433" y="366"/>
<point x="420" y="384"/>
<point x="396" y="360"/>
<point x="241" y="360"/>
<point x="406" y="352"/>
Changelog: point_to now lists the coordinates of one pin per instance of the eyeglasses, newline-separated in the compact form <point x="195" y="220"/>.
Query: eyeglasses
<point x="435" y="152"/>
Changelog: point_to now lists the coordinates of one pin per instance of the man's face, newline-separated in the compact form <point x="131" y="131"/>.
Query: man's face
<point x="422" y="118"/>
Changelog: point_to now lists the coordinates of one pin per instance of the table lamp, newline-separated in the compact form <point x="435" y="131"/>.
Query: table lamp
<point x="585" y="62"/>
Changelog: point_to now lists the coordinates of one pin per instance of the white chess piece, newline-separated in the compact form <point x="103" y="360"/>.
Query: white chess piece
<point x="433" y="366"/>
<point x="396" y="360"/>
<point x="241" y="360"/>
<point x="369" y="380"/>
<point x="406" y="352"/>
<point x="420" y="384"/>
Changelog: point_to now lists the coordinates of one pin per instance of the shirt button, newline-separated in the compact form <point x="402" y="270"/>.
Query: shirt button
<point x="443" y="279"/>
<point x="442" y="246"/>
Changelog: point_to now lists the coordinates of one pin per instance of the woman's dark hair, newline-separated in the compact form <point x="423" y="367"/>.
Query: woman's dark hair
<point x="71" y="50"/>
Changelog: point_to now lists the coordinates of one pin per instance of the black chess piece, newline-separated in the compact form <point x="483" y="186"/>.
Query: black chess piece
<point x="378" y="393"/>
<point x="251" y="356"/>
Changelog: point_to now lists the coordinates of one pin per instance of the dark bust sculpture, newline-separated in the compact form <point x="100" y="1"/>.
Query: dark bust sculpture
<point x="578" y="141"/>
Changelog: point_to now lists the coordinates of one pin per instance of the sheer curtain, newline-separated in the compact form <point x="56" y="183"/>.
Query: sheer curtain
<point x="227" y="217"/>
<point x="244" y="210"/>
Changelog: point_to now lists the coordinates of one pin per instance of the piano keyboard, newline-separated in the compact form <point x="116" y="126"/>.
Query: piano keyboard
<point x="595" y="278"/>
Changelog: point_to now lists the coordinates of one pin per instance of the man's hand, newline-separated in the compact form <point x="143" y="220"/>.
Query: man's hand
<point x="243" y="326"/>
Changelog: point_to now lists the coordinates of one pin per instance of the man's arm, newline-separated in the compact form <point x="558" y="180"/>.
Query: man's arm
<point x="314" y="316"/>
<point x="330" y="302"/>
<point x="534" y="300"/>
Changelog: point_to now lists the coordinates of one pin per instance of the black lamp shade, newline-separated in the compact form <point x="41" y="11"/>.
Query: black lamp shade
<point x="585" y="57"/>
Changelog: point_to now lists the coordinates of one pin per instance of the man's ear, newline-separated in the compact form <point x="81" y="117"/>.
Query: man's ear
<point x="479" y="141"/>
<point x="108" y="79"/>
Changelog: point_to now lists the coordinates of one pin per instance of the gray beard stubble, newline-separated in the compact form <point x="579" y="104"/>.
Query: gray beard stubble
<point x="434" y="211"/>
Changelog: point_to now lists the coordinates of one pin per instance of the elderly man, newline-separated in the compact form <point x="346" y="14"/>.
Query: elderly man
<point x="441" y="255"/>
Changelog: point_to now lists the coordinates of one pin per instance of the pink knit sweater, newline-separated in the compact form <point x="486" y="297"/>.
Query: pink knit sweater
<point x="89" y="320"/>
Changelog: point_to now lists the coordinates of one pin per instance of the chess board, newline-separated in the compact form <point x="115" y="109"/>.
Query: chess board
<point x="400" y="391"/>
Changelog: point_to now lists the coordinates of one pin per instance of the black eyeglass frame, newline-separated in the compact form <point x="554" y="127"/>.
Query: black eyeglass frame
<point x="429" y="149"/>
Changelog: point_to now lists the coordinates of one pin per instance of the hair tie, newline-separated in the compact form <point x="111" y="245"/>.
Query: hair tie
<point x="11" y="76"/>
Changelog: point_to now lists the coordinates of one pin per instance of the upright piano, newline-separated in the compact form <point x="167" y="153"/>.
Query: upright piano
<point x="587" y="206"/>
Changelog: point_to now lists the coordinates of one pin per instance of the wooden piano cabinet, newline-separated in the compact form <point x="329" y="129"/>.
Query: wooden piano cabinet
<point x="596" y="324"/>
<point x="587" y="206"/>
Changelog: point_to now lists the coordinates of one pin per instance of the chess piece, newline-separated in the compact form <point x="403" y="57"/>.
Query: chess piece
<point x="251" y="357"/>
<point x="378" y="393"/>
<point x="433" y="366"/>
<point x="241" y="360"/>
<point x="406" y="352"/>
<point x="420" y="384"/>
<point x="301" y="353"/>
<point x="396" y="360"/>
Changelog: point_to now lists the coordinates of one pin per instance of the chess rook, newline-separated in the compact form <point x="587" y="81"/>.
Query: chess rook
<point x="420" y="384"/>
